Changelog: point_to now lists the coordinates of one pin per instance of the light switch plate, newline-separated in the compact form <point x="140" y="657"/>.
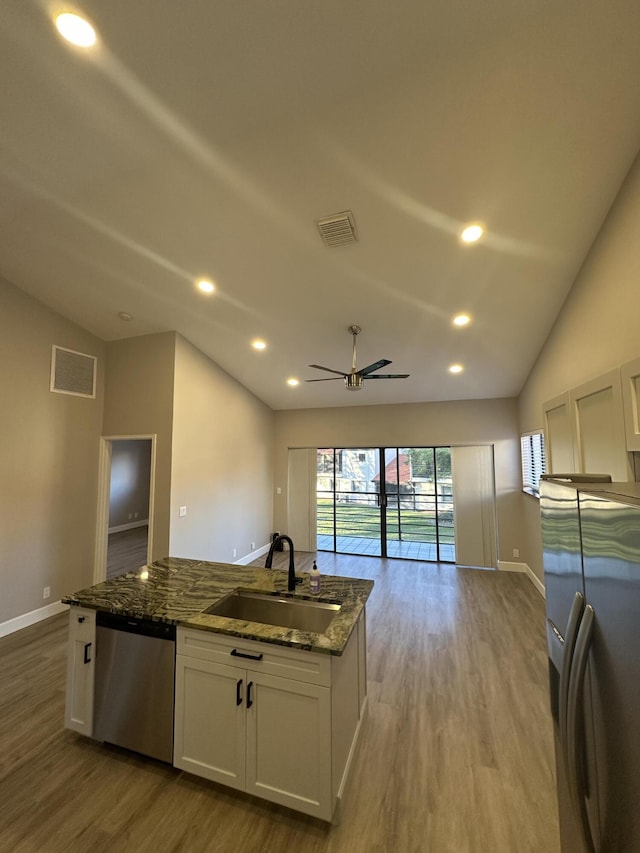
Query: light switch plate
<point x="183" y="511"/>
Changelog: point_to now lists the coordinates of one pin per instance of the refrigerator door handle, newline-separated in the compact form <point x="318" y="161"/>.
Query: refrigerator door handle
<point x="575" y="724"/>
<point x="570" y="636"/>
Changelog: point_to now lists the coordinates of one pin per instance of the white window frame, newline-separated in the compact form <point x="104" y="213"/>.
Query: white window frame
<point x="533" y="460"/>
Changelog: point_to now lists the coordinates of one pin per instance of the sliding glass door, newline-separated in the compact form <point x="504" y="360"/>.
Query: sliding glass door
<point x="350" y="517"/>
<point x="386" y="501"/>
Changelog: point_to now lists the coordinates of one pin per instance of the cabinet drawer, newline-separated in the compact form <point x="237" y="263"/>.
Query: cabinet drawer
<point x="82" y="623"/>
<point x="310" y="667"/>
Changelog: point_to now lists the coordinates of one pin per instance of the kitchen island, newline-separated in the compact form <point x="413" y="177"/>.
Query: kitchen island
<point x="272" y="711"/>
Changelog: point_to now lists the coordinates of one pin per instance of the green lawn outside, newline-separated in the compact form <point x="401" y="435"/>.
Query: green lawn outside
<point x="364" y="521"/>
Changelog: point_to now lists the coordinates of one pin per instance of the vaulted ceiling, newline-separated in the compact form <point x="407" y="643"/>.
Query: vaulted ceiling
<point x="205" y="138"/>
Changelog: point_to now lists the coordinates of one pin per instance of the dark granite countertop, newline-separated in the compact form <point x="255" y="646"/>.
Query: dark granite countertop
<point x="177" y="591"/>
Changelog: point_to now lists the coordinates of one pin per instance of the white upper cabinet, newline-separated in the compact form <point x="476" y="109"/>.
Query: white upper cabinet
<point x="630" y="376"/>
<point x="598" y="422"/>
<point x="585" y="428"/>
<point x="558" y="435"/>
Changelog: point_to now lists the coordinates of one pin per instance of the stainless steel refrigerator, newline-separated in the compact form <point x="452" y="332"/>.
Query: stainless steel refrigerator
<point x="591" y="544"/>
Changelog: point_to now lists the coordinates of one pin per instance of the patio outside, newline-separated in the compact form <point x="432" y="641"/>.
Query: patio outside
<point x="417" y="489"/>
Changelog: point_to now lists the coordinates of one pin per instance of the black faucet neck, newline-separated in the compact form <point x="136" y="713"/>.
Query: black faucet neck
<point x="291" y="585"/>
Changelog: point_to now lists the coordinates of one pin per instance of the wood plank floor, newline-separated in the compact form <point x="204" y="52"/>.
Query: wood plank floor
<point x="127" y="550"/>
<point x="456" y="755"/>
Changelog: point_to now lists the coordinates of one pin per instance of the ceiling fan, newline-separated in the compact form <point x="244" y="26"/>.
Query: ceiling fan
<point x="355" y="379"/>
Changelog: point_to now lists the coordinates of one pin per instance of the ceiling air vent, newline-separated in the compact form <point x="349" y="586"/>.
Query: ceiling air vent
<point x="73" y="372"/>
<point x="338" y="230"/>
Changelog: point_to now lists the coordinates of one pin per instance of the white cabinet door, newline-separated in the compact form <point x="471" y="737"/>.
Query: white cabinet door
<point x="630" y="375"/>
<point x="558" y="435"/>
<point x="599" y="428"/>
<point x="289" y="743"/>
<point x="209" y="737"/>
<point x="80" y="670"/>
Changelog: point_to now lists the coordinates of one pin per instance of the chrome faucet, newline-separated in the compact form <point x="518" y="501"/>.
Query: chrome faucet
<point x="292" y="579"/>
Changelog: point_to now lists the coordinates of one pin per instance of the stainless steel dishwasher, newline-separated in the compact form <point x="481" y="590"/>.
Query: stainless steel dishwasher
<point x="134" y="684"/>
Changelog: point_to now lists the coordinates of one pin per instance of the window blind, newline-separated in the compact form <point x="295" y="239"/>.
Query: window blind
<point x="533" y="461"/>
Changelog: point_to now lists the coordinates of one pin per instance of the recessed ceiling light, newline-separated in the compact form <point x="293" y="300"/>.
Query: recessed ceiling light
<point x="472" y="233"/>
<point x="76" y="30"/>
<point x="461" y="320"/>
<point x="124" y="315"/>
<point x="456" y="368"/>
<point x="293" y="382"/>
<point x="258" y="344"/>
<point x="206" y="286"/>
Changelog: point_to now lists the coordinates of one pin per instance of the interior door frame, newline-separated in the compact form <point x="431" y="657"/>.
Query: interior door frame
<point x="104" y="486"/>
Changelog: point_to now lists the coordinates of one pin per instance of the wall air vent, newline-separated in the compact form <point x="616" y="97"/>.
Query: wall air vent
<point x="338" y="230"/>
<point x="73" y="372"/>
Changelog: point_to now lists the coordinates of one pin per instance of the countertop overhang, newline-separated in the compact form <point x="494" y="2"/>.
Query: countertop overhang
<point x="177" y="591"/>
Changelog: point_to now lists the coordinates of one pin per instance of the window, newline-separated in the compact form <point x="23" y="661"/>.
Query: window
<point x="326" y="460"/>
<point x="533" y="461"/>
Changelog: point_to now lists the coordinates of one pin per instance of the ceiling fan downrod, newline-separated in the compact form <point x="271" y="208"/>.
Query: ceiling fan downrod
<point x="354" y="381"/>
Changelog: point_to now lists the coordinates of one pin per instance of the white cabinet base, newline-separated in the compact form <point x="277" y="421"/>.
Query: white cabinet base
<point x="288" y="737"/>
<point x="80" y="670"/>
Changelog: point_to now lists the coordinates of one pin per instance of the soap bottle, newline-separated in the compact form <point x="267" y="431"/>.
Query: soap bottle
<point x="314" y="579"/>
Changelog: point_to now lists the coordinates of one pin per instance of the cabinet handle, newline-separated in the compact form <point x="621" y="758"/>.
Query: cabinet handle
<point x="237" y="654"/>
<point x="87" y="646"/>
<point x="239" y="692"/>
<point x="249" y="699"/>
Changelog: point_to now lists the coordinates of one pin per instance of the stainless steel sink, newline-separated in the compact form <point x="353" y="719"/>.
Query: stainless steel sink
<point x="284" y="612"/>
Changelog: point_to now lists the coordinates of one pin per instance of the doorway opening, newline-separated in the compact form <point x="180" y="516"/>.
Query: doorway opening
<point x="125" y="510"/>
<point x="386" y="502"/>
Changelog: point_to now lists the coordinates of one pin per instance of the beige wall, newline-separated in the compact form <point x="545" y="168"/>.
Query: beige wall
<point x="222" y="462"/>
<point x="139" y="401"/>
<point x="48" y="459"/>
<point x="597" y="329"/>
<point x="452" y="423"/>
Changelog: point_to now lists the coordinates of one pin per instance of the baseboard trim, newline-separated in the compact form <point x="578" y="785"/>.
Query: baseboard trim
<point x="535" y="580"/>
<point x="120" y="528"/>
<point x="523" y="568"/>
<point x="20" y="622"/>
<point x="249" y="558"/>
<point x="505" y="566"/>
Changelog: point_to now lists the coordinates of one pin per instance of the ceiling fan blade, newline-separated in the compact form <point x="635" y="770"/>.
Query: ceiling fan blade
<point x="328" y="379"/>
<point x="388" y="376"/>
<point x="328" y="369"/>
<point x="375" y="366"/>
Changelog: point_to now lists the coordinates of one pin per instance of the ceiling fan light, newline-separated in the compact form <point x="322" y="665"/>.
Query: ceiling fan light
<point x="354" y="381"/>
